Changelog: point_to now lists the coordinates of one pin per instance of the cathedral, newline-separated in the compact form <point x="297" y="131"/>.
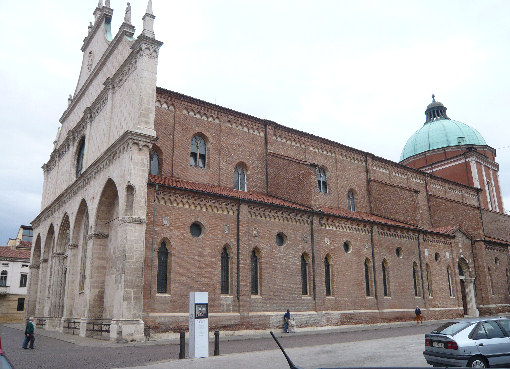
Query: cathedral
<point x="150" y="194"/>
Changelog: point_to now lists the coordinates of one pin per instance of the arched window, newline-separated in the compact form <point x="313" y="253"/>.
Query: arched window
<point x="450" y="282"/>
<point x="508" y="280"/>
<point x="254" y="273"/>
<point x="3" y="278"/>
<point x="369" y="290"/>
<point x="240" y="178"/>
<point x="491" y="287"/>
<point x="154" y="163"/>
<point x="416" y="280"/>
<point x="322" y="182"/>
<point x="386" y="278"/>
<point x="79" y="159"/>
<point x="327" y="274"/>
<point x="197" y="152"/>
<point x="351" y="205"/>
<point x="489" y="198"/>
<point x="429" y="279"/>
<point x="304" y="275"/>
<point x="162" y="268"/>
<point x="225" y="272"/>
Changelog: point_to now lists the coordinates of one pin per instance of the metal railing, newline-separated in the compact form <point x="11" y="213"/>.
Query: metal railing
<point x="71" y="325"/>
<point x="98" y="327"/>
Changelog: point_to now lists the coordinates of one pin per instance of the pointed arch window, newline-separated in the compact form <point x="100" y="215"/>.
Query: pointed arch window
<point x="450" y="282"/>
<point x="254" y="273"/>
<point x="429" y="279"/>
<point x="162" y="283"/>
<point x="225" y="271"/>
<point x="369" y="290"/>
<point x="416" y="280"/>
<point x="386" y="278"/>
<point x="79" y="159"/>
<point x="327" y="274"/>
<point x="240" y="178"/>
<point x="304" y="275"/>
<point x="351" y="205"/>
<point x="197" y="156"/>
<point x="491" y="286"/>
<point x="3" y="278"/>
<point x="508" y="280"/>
<point x="154" y="163"/>
<point x="322" y="182"/>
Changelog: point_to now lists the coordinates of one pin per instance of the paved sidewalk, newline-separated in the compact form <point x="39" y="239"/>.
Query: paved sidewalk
<point x="225" y="336"/>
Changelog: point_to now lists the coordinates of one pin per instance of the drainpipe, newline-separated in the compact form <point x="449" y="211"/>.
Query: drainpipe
<point x="238" y="289"/>
<point x="313" y="260"/>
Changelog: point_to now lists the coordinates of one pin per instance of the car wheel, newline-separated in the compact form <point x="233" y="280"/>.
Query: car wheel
<point x="477" y="362"/>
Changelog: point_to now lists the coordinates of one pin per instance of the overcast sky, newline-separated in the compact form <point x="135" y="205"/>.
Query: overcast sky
<point x="357" y="72"/>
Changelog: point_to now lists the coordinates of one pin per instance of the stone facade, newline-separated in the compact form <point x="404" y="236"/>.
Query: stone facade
<point x="118" y="249"/>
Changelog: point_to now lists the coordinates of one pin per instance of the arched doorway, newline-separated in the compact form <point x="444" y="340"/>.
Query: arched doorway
<point x="467" y="288"/>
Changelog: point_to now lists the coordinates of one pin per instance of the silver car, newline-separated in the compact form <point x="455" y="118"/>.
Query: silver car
<point x="476" y="343"/>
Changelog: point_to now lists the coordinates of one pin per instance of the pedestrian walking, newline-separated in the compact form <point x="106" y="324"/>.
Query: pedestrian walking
<point x="286" y="321"/>
<point x="419" y="318"/>
<point x="29" y="334"/>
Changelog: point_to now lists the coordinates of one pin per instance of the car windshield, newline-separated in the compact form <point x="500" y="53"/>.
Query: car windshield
<point x="451" y="328"/>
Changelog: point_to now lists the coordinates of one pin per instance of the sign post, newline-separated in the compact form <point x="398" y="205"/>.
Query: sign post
<point x="198" y="324"/>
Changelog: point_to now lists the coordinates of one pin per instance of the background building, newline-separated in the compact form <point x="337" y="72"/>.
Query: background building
<point x="14" y="270"/>
<point x="150" y="194"/>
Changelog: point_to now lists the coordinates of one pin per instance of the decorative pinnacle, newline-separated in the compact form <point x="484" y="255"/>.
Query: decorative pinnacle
<point x="127" y="17"/>
<point x="149" y="7"/>
<point x="107" y="3"/>
<point x="100" y="4"/>
<point x="433" y="98"/>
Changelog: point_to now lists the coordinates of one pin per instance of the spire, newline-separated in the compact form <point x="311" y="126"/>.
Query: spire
<point x="148" y="21"/>
<point x="127" y="17"/>
<point x="435" y="111"/>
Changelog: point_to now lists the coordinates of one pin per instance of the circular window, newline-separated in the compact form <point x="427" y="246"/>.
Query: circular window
<point x="280" y="239"/>
<point x="399" y="252"/>
<point x="195" y="229"/>
<point x="437" y="256"/>
<point x="347" y="247"/>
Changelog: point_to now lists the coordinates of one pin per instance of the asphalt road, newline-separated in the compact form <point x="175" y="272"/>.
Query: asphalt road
<point x="369" y="347"/>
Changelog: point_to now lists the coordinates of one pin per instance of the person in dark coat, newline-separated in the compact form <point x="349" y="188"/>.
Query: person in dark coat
<point x="286" y="320"/>
<point x="29" y="334"/>
<point x="419" y="318"/>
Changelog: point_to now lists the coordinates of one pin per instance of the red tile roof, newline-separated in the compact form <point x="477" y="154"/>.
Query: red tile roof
<point x="224" y="191"/>
<point x="365" y="216"/>
<point x="8" y="253"/>
<point x="447" y="229"/>
<point x="259" y="197"/>
<point x="491" y="239"/>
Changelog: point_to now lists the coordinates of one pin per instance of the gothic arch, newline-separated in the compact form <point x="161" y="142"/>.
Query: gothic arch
<point x="104" y="271"/>
<point x="34" y="276"/>
<point x="74" y="304"/>
<point x="59" y="269"/>
<point x="44" y="273"/>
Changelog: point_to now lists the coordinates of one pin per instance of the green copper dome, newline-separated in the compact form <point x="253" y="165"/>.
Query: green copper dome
<point x="440" y="131"/>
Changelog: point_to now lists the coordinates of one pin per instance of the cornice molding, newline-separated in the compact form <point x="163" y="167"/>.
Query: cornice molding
<point x="193" y="202"/>
<point x="276" y="215"/>
<point x="123" y="144"/>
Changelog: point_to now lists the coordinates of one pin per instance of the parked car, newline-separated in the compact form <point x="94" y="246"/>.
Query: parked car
<point x="4" y="362"/>
<point x="476" y="343"/>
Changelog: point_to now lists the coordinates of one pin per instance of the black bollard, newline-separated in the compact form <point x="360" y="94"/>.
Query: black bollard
<point x="216" y="343"/>
<point x="182" y="351"/>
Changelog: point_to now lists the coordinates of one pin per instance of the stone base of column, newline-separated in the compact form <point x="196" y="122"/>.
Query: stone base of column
<point x="127" y="330"/>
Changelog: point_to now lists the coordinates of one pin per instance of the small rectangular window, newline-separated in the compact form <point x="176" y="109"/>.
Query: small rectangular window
<point x="23" y="280"/>
<point x="21" y="304"/>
